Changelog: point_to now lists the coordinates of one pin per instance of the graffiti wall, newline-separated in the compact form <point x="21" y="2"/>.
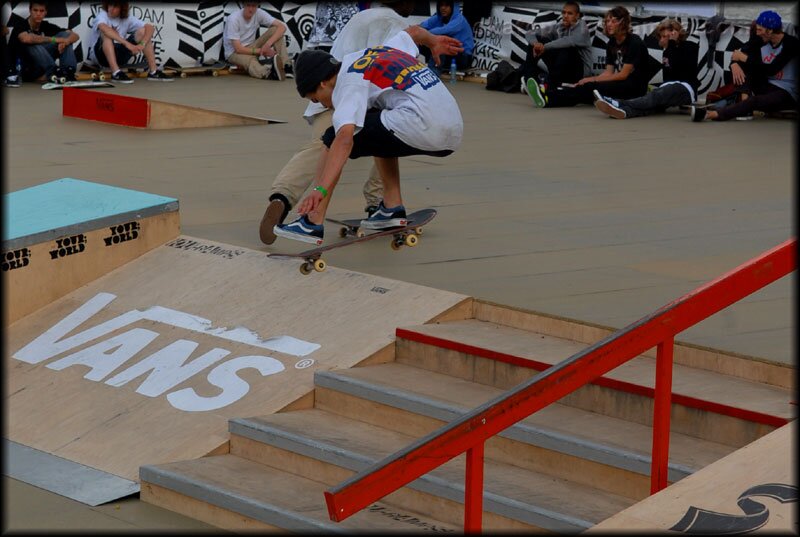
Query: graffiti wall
<point x="185" y="32"/>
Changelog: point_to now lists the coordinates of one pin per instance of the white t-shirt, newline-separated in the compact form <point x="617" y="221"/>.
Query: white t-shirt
<point x="415" y="104"/>
<point x="236" y="27"/>
<point x="124" y="27"/>
<point x="367" y="28"/>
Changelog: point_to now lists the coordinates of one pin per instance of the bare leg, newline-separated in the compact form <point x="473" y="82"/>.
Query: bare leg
<point x="389" y="170"/>
<point x="111" y="54"/>
<point x="149" y="50"/>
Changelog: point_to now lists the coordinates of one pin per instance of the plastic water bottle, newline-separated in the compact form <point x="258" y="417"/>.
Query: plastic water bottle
<point x="453" y="71"/>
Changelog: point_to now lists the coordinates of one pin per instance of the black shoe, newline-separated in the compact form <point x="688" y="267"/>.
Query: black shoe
<point x="159" y="76"/>
<point x="698" y="114"/>
<point x="273" y="216"/>
<point x="121" y="77"/>
<point x="69" y="74"/>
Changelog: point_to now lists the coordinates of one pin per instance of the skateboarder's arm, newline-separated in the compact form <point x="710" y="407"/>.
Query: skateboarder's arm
<point x="331" y="169"/>
<point x="438" y="44"/>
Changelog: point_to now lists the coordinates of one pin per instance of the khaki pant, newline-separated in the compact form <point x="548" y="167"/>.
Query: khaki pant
<point x="250" y="62"/>
<point x="298" y="173"/>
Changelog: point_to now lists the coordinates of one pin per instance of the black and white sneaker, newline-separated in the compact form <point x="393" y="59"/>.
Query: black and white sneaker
<point x="12" y="81"/>
<point x="697" y="114"/>
<point x="159" y="76"/>
<point x="121" y="77"/>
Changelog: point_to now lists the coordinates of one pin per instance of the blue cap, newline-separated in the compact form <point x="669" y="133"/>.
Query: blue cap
<point x="769" y="20"/>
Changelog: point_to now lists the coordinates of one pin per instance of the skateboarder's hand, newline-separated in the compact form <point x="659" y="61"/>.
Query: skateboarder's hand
<point x="268" y="51"/>
<point x="310" y="202"/>
<point x="445" y="45"/>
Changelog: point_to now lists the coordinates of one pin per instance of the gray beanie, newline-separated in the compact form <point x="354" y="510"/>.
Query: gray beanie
<point x="312" y="67"/>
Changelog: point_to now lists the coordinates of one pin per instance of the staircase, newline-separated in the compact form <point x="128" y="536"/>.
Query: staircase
<point x="565" y="468"/>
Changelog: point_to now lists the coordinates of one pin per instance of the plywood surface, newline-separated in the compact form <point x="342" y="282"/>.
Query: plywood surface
<point x="204" y="331"/>
<point x="717" y="489"/>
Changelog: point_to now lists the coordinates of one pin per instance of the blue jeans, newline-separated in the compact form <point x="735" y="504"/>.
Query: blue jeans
<point x="41" y="59"/>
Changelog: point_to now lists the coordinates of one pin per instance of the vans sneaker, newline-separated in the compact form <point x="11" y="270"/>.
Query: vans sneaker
<point x="535" y="93"/>
<point x="301" y="230"/>
<point x="159" y="76"/>
<point x="608" y="106"/>
<point x="12" y="81"/>
<point x="385" y="218"/>
<point x="121" y="77"/>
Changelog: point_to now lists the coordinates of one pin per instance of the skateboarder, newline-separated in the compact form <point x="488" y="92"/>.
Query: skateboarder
<point x="38" y="43"/>
<point x="386" y="104"/>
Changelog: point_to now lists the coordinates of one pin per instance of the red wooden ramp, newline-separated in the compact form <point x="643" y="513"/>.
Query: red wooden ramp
<point x="146" y="113"/>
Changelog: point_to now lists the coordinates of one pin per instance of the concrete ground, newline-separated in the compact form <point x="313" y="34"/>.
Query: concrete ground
<point x="563" y="211"/>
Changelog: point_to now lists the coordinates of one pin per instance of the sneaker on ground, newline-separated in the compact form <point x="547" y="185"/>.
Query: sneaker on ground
<point x="748" y="117"/>
<point x="159" y="76"/>
<point x="301" y="230"/>
<point x="384" y="217"/>
<point x="272" y="217"/>
<point x="121" y="77"/>
<point x="697" y="114"/>
<point x="12" y="81"/>
<point x="605" y="106"/>
<point x="279" y="68"/>
<point x="70" y="75"/>
<point x="535" y="93"/>
<point x="523" y="88"/>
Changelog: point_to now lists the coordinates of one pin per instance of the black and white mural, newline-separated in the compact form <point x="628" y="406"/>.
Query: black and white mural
<point x="186" y="32"/>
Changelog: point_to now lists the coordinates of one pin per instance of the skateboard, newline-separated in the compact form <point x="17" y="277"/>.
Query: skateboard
<point x="97" y="72"/>
<point x="77" y="84"/>
<point x="213" y="69"/>
<point x="407" y="235"/>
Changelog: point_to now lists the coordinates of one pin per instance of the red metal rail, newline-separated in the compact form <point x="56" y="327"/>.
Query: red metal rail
<point x="470" y="432"/>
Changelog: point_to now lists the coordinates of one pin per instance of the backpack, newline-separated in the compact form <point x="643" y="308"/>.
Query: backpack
<point x="504" y="78"/>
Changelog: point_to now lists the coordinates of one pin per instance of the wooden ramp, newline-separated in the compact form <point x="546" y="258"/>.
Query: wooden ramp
<point x="65" y="233"/>
<point x="148" y="363"/>
<point x="754" y="488"/>
<point x="147" y="113"/>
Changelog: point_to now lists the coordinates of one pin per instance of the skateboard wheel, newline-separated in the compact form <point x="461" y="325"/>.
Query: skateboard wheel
<point x="320" y="265"/>
<point x="344" y="232"/>
<point x="361" y="233"/>
<point x="214" y="73"/>
<point x="411" y="240"/>
<point x="62" y="80"/>
<point x="93" y="76"/>
<point x="418" y="231"/>
<point x="396" y="244"/>
<point x="305" y="269"/>
<point x="102" y="77"/>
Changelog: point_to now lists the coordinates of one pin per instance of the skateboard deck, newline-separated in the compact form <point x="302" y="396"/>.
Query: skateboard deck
<point x="77" y="84"/>
<point x="212" y="69"/>
<point x="407" y="235"/>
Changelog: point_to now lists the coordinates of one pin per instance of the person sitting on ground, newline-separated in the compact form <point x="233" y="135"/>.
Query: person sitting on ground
<point x="449" y="21"/>
<point x="625" y="77"/>
<point x="265" y="57"/>
<point x="679" y="69"/>
<point x="368" y="28"/>
<point x="117" y="36"/>
<point x="769" y="75"/>
<point x="564" y="48"/>
<point x="11" y="77"/>
<point x="39" y="43"/>
<point x="386" y="104"/>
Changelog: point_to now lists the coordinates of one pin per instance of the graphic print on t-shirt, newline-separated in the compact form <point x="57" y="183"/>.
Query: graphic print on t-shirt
<point x="388" y="67"/>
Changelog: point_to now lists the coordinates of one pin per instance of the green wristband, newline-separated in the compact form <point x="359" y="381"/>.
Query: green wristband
<point x="323" y="190"/>
<point x="53" y="40"/>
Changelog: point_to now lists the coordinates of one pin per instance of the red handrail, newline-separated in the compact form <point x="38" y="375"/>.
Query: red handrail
<point x="469" y="432"/>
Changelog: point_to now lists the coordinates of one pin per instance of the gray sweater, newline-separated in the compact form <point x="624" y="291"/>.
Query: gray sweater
<point x="555" y="36"/>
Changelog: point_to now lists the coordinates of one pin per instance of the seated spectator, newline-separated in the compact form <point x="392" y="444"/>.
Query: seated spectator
<point x="679" y="69"/>
<point x="39" y="43"/>
<point x="625" y="77"/>
<point x="450" y="22"/>
<point x="264" y="57"/>
<point x="117" y="36"/>
<point x="767" y="77"/>
<point x="10" y="75"/>
<point x="564" y="48"/>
